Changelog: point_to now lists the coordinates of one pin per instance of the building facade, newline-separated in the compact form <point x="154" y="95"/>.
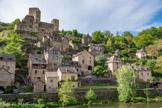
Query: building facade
<point x="96" y="49"/>
<point x="141" y="54"/>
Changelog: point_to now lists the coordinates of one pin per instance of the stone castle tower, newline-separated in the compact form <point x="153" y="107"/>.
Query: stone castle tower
<point x="36" y="13"/>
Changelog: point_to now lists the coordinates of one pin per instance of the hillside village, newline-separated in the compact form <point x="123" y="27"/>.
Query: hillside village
<point x="51" y="58"/>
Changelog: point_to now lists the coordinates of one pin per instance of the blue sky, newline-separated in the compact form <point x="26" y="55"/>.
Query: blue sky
<point x="88" y="16"/>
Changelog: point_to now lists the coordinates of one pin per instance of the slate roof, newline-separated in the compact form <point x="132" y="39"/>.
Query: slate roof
<point x="67" y="70"/>
<point x="114" y="59"/>
<point x="81" y="53"/>
<point x="7" y="57"/>
<point x="51" y="74"/>
<point x="70" y="63"/>
<point x="140" y="68"/>
<point x="38" y="59"/>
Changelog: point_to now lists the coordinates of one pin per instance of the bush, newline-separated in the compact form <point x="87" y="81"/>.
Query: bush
<point x="90" y="96"/>
<point x="8" y="89"/>
<point x="40" y="101"/>
<point x="20" y="101"/>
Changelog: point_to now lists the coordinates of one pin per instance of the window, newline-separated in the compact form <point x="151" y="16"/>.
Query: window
<point x="31" y="20"/>
<point x="90" y="57"/>
<point x="90" y="61"/>
<point x="147" y="73"/>
<point x="35" y="71"/>
<point x="55" y="64"/>
<point x="72" y="77"/>
<point x="83" y="61"/>
<point x="142" y="74"/>
<point x="51" y="81"/>
<point x="9" y="58"/>
<point x="35" y="65"/>
<point x="38" y="78"/>
<point x="1" y="58"/>
<point x="43" y="72"/>
<point x="30" y="26"/>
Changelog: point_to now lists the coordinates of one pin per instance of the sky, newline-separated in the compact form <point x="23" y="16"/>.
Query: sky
<point x="88" y="16"/>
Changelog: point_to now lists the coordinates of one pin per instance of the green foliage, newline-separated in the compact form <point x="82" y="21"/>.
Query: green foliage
<point x="66" y="93"/>
<point x="40" y="101"/>
<point x="90" y="95"/>
<point x="124" y="53"/>
<point x="67" y="58"/>
<point x="126" y="80"/>
<point x="85" y="47"/>
<point x="99" y="71"/>
<point x="98" y="37"/>
<point x="37" y="51"/>
<point x="20" y="101"/>
<point x="159" y="64"/>
<point x="33" y="33"/>
<point x="8" y="89"/>
<point x="100" y="60"/>
<point x="127" y="34"/>
<point x="69" y="33"/>
<point x="147" y="93"/>
<point x="75" y="41"/>
<point x="17" y="21"/>
<point x="74" y="33"/>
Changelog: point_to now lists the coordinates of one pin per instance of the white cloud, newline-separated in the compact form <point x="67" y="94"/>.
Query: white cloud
<point x="87" y="15"/>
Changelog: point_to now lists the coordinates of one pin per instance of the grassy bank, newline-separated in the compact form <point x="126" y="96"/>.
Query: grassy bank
<point x="58" y="104"/>
<point x="97" y="87"/>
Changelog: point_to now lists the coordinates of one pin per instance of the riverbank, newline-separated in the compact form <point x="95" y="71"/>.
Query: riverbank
<point x="42" y="104"/>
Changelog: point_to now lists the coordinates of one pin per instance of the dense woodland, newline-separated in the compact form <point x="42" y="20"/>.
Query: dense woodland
<point x="150" y="40"/>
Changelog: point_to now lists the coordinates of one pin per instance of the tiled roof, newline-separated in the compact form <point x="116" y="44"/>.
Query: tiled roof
<point x="81" y="53"/>
<point x="7" y="57"/>
<point x="140" y="68"/>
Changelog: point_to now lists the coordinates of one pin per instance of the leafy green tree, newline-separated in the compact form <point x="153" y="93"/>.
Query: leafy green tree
<point x="90" y="96"/>
<point x="75" y="33"/>
<point x="126" y="80"/>
<point x="109" y="43"/>
<point x="124" y="53"/>
<point x="143" y="40"/>
<point x="159" y="64"/>
<point x="151" y="64"/>
<point x="17" y="21"/>
<point x="127" y="34"/>
<point x="99" y="71"/>
<point x="100" y="60"/>
<point x="98" y="37"/>
<point x="66" y="93"/>
<point x="108" y="35"/>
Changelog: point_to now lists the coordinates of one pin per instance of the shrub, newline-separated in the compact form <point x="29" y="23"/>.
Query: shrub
<point x="90" y="96"/>
<point x="40" y="101"/>
<point x="20" y="101"/>
<point x="8" y="89"/>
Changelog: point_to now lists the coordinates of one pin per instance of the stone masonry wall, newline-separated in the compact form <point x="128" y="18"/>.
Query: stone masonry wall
<point x="53" y="97"/>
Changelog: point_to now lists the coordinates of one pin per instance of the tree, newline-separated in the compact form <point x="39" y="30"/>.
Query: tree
<point x="17" y="21"/>
<point x="159" y="64"/>
<point x="108" y="35"/>
<point x="109" y="43"/>
<point x="75" y="33"/>
<point x="100" y="60"/>
<point x="98" y="37"/>
<point x="66" y="93"/>
<point x="124" y="53"/>
<point x="99" y="71"/>
<point x="126" y="80"/>
<point x="127" y="34"/>
<point x="90" y="96"/>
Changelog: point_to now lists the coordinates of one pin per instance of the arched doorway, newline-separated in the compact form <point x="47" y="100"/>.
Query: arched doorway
<point x="89" y="67"/>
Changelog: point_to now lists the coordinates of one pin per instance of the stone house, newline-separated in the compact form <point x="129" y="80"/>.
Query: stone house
<point x="75" y="46"/>
<point x="54" y="58"/>
<point x="32" y="23"/>
<point x="96" y="49"/>
<point x="114" y="64"/>
<point x="141" y="54"/>
<point x="144" y="73"/>
<point x="7" y="69"/>
<point x="68" y="74"/>
<point x="37" y="67"/>
<point x="117" y="53"/>
<point x="86" y="40"/>
<point x="39" y="86"/>
<point x="51" y="81"/>
<point x="86" y="60"/>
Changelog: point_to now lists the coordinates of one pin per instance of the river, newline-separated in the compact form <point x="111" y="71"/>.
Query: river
<point x="122" y="105"/>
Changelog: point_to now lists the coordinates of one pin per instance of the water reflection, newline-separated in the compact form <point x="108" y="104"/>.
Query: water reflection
<point x="122" y="105"/>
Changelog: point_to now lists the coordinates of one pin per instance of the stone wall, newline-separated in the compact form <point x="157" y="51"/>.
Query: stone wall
<point x="96" y="81"/>
<point x="53" y="97"/>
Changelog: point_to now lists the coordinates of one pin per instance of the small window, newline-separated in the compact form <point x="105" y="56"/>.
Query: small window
<point x="43" y="72"/>
<point x="72" y="77"/>
<point x="31" y="20"/>
<point x="9" y="58"/>
<point x="8" y="67"/>
<point x="38" y="78"/>
<point x="141" y="73"/>
<point x="51" y="81"/>
<point x="35" y="71"/>
<point x="1" y="58"/>
<point x="35" y="65"/>
<point x="55" y="64"/>
<point x="147" y="73"/>
<point x="30" y="26"/>
<point x="83" y="61"/>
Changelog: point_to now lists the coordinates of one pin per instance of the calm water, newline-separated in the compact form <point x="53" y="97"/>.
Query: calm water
<point x="122" y="105"/>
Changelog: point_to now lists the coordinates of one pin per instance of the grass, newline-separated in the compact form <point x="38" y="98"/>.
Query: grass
<point x="97" y="87"/>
